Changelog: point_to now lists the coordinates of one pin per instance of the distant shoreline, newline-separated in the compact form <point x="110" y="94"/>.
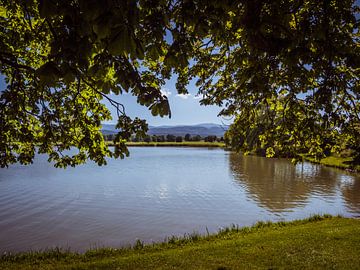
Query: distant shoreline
<point x="331" y="161"/>
<point x="173" y="144"/>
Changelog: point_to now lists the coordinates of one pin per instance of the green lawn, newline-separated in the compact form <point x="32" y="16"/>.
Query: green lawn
<point x="318" y="242"/>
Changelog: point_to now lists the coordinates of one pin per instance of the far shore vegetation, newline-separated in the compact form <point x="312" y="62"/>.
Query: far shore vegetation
<point x="170" y="138"/>
<point x="319" y="242"/>
<point x="178" y="144"/>
<point x="344" y="160"/>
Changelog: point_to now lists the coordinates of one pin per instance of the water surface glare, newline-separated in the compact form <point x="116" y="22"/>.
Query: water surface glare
<point x="160" y="192"/>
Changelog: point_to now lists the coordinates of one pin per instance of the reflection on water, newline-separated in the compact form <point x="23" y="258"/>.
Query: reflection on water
<point x="350" y="188"/>
<point x="280" y="186"/>
<point x="159" y="192"/>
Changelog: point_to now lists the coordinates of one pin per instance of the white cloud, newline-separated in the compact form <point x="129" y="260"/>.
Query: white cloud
<point x="198" y="97"/>
<point x="165" y="92"/>
<point x="183" y="96"/>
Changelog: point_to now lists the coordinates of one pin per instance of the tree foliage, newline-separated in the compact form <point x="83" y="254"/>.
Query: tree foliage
<point x="287" y="70"/>
<point x="289" y="73"/>
<point x="60" y="59"/>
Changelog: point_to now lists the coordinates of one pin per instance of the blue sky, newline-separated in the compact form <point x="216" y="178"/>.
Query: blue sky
<point x="185" y="109"/>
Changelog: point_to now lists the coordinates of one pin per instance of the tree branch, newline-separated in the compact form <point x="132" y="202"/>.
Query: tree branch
<point x="14" y="64"/>
<point x="120" y="108"/>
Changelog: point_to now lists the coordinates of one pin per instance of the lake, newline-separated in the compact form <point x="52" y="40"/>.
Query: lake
<point x="159" y="192"/>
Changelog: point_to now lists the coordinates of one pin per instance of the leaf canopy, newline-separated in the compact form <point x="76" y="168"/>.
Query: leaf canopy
<point x="288" y="71"/>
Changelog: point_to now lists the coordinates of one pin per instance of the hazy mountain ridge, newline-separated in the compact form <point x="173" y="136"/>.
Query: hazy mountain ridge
<point x="207" y="129"/>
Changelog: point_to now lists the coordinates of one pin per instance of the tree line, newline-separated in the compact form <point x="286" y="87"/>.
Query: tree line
<point x="169" y="138"/>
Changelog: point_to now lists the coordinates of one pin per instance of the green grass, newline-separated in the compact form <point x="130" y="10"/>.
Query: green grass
<point x="320" y="242"/>
<point x="337" y="162"/>
<point x="177" y="144"/>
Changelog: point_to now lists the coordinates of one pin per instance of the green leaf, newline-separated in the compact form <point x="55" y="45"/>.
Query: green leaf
<point x="47" y="8"/>
<point x="3" y="12"/>
<point x="119" y="45"/>
<point x="49" y="74"/>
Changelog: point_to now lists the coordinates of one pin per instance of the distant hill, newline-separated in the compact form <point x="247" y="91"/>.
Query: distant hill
<point x="207" y="129"/>
<point x="108" y="129"/>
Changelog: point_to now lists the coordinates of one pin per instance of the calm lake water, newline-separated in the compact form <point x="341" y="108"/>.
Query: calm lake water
<point x="160" y="192"/>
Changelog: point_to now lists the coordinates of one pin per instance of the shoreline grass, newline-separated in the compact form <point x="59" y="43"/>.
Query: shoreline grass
<point x="316" y="242"/>
<point x="344" y="163"/>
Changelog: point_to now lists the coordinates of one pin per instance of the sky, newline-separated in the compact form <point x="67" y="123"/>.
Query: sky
<point x="185" y="109"/>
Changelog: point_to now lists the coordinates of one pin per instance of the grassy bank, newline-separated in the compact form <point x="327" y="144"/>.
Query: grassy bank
<point x="345" y="163"/>
<point x="317" y="242"/>
<point x="176" y="144"/>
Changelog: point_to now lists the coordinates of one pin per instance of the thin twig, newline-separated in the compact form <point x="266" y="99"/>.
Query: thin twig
<point x="120" y="108"/>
